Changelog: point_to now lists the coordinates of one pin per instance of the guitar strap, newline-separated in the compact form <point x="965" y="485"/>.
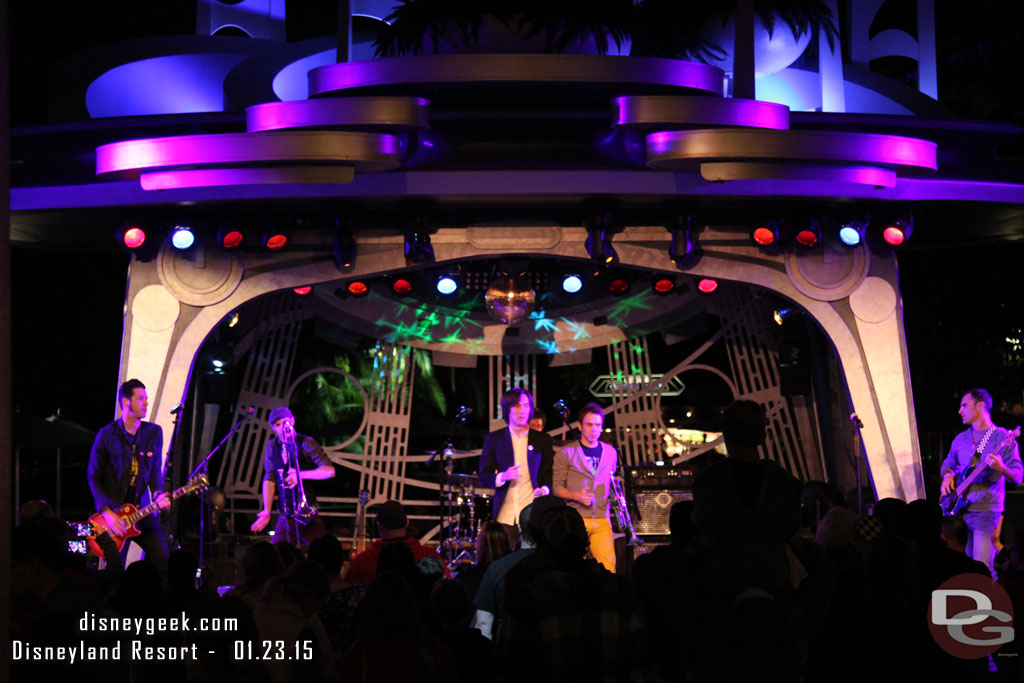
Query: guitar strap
<point x="981" y="446"/>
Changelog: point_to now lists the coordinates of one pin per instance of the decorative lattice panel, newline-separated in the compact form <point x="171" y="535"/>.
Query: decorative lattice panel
<point x="509" y="372"/>
<point x="267" y="376"/>
<point x="753" y="360"/>
<point x="637" y="410"/>
<point x="387" y="435"/>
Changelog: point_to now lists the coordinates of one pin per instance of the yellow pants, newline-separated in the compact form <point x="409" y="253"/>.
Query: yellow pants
<point x="602" y="543"/>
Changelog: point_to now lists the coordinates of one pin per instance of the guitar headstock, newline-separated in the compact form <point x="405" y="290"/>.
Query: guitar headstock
<point x="364" y="497"/>
<point x="1010" y="437"/>
<point x="196" y="483"/>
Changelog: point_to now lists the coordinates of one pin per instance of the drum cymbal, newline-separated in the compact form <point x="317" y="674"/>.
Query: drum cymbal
<point x="463" y="480"/>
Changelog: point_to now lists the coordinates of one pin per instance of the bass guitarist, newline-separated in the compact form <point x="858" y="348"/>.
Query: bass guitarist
<point x="978" y="445"/>
<point x="125" y="466"/>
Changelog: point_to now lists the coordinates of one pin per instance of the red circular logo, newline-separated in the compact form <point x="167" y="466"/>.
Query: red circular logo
<point x="970" y="616"/>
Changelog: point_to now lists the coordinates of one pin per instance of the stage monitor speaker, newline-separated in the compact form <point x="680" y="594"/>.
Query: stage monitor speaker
<point x="653" y="507"/>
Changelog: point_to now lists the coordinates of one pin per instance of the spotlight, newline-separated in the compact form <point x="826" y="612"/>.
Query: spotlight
<point x="230" y="238"/>
<point x="572" y="284"/>
<point x="357" y="288"/>
<point x="707" y="285"/>
<point x="809" y="236"/>
<point x="401" y="286"/>
<point x="599" y="245"/>
<point x="850" y="235"/>
<point x="663" y="284"/>
<point x="344" y="251"/>
<point x="851" y="232"/>
<point x="217" y="363"/>
<point x="898" y="231"/>
<point x="234" y="320"/>
<point x="418" y="249"/>
<point x="447" y="285"/>
<point x="618" y="286"/>
<point x="182" y="237"/>
<point x="765" y="235"/>
<point x="681" y="245"/>
<point x="303" y="291"/>
<point x="274" y="239"/>
<point x="131" y="236"/>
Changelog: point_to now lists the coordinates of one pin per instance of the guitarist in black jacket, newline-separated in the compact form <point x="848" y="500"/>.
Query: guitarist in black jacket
<point x="981" y="443"/>
<point x="125" y="466"/>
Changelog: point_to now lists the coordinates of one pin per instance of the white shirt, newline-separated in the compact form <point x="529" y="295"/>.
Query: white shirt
<point x="520" y="491"/>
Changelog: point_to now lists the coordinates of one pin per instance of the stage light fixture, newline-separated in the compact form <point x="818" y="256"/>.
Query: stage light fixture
<point x="809" y="236"/>
<point x="274" y="238"/>
<point x="344" y="251"/>
<point x="401" y="286"/>
<point x="357" y="288"/>
<point x="230" y="238"/>
<point x="850" y="235"/>
<point x="447" y="285"/>
<point x="663" y="284"/>
<point x="618" y="286"/>
<point x="707" y="285"/>
<point x="681" y="245"/>
<point x="572" y="284"/>
<point x="418" y="249"/>
<point x="898" y="231"/>
<point x="131" y="236"/>
<point x="599" y="245"/>
<point x="303" y="291"/>
<point x="765" y="235"/>
<point x="182" y="237"/>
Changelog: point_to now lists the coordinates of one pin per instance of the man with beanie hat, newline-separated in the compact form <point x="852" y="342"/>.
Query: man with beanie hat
<point x="283" y="460"/>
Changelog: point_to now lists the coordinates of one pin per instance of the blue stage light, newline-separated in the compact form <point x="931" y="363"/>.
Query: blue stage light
<point x="447" y="285"/>
<point x="572" y="284"/>
<point x="850" y="235"/>
<point x="182" y="237"/>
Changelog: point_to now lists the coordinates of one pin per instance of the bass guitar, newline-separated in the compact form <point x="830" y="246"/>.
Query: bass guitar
<point x="130" y="514"/>
<point x="954" y="503"/>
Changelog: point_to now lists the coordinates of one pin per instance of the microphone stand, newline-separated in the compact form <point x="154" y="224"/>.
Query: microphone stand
<point x="858" y="425"/>
<point x="165" y="521"/>
<point x="205" y="496"/>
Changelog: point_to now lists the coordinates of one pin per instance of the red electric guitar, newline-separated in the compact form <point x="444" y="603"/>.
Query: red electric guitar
<point x="131" y="514"/>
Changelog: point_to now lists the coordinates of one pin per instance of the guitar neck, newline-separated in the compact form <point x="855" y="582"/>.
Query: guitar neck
<point x="152" y="507"/>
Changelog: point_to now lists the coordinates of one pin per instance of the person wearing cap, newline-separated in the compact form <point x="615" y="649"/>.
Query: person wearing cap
<point x="292" y="530"/>
<point x="583" y="474"/>
<point x="392" y="528"/>
<point x="516" y="461"/>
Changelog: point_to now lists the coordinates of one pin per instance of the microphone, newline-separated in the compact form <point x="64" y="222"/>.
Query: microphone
<point x="856" y="420"/>
<point x="177" y="409"/>
<point x="250" y="411"/>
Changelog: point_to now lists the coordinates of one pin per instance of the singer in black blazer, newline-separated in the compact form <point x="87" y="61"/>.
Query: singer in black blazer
<point x="497" y="456"/>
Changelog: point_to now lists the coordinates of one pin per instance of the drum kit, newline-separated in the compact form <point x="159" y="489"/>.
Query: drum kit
<point x="469" y="508"/>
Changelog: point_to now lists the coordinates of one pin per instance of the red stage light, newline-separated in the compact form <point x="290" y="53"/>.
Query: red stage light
<point x="276" y="241"/>
<point x="894" y="235"/>
<point x="133" y="237"/>
<point x="707" y="285"/>
<point x="664" y="285"/>
<point x="303" y="291"/>
<point x="764" y="236"/>
<point x="357" y="288"/>
<point x="808" y="238"/>
<point x="618" y="286"/>
<point x="232" y="239"/>
<point x="401" y="287"/>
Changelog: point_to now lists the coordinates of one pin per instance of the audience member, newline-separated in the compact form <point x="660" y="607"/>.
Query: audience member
<point x="392" y="527"/>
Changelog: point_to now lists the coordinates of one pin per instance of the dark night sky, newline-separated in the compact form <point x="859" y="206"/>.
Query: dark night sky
<point x="67" y="313"/>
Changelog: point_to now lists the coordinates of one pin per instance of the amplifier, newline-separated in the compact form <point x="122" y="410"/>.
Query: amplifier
<point x="658" y="477"/>
<point x="653" y="507"/>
